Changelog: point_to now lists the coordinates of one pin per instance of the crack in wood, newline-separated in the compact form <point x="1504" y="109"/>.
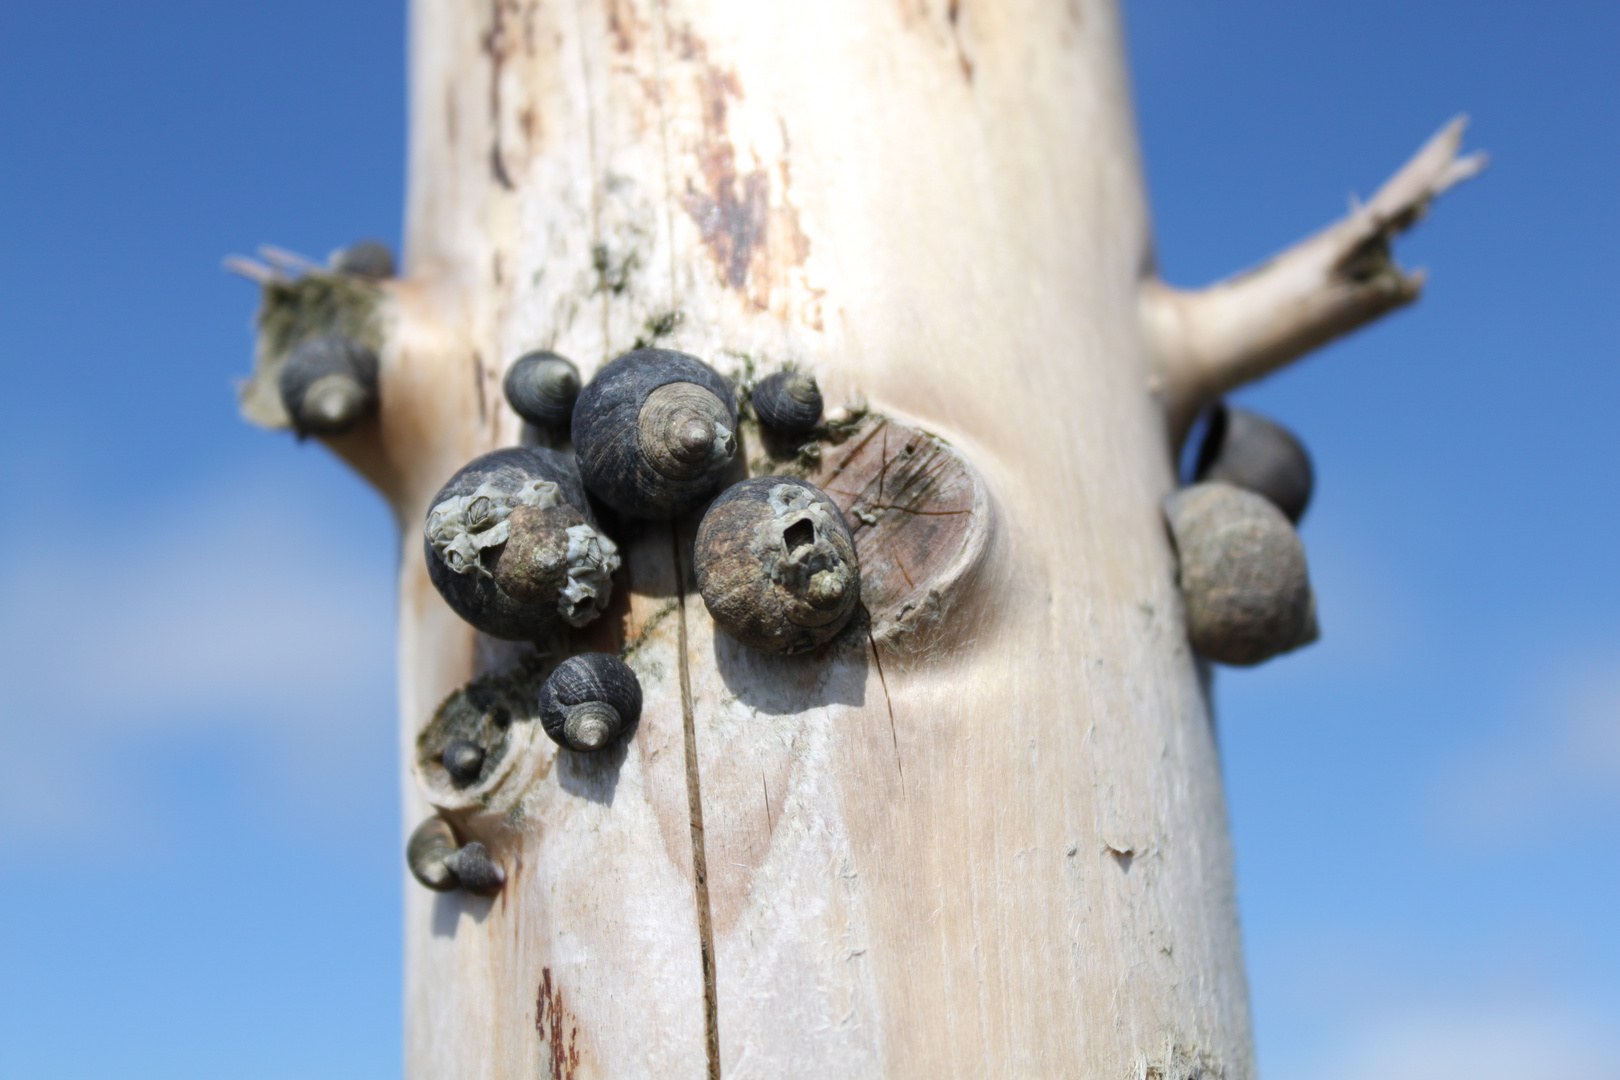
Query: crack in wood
<point x="700" y="870"/>
<point x="894" y="734"/>
<point x="478" y="381"/>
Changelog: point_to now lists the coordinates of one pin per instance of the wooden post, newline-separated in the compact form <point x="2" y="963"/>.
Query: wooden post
<point x="983" y="835"/>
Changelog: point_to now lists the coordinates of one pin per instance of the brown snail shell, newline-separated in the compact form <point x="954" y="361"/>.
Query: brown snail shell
<point x="776" y="564"/>
<point x="1242" y="573"/>
<point x="542" y="387"/>
<point x="1249" y="451"/>
<point x="589" y="701"/>
<point x="655" y="433"/>
<point x="512" y="546"/>
<point x="788" y="401"/>
<point x="328" y="383"/>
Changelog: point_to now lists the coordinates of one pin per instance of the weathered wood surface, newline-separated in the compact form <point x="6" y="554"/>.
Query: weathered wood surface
<point x="982" y="833"/>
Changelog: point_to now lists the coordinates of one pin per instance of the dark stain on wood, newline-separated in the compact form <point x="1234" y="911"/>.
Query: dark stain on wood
<point x="751" y="243"/>
<point x="557" y="1029"/>
<point x="497" y="46"/>
<point x="622" y="25"/>
<point x="478" y="381"/>
<point x="953" y="15"/>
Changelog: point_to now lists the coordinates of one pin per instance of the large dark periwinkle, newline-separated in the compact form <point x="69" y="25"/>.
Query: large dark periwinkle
<point x="655" y="433"/>
<point x="1249" y="451"/>
<point x="589" y="701"/>
<point x="328" y="383"/>
<point x="512" y="546"/>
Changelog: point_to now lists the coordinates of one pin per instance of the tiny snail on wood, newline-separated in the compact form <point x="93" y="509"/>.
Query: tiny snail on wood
<point x="590" y="700"/>
<point x="541" y="387"/>
<point x="1249" y="451"/>
<point x="513" y="548"/>
<point x="438" y="863"/>
<point x="430" y="845"/>
<point x="1242" y="574"/>
<point x="776" y="564"/>
<point x="364" y="258"/>
<point x="475" y="870"/>
<point x="655" y="432"/>
<point x="463" y="759"/>
<point x="328" y="383"/>
<point x="788" y="402"/>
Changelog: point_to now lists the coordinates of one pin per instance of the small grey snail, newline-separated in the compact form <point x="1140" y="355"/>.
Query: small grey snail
<point x="590" y="700"/>
<point x="776" y="564"/>
<point x="328" y="383"/>
<point x="463" y="760"/>
<point x="512" y="546"/>
<point x="655" y="433"/>
<point x="1249" y="451"/>
<point x="788" y="402"/>
<point x="1242" y="574"/>
<point x="541" y="387"/>
<point x="436" y="861"/>
<point x="365" y="258"/>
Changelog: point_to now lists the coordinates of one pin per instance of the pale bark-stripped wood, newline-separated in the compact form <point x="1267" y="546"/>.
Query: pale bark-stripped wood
<point x="983" y="835"/>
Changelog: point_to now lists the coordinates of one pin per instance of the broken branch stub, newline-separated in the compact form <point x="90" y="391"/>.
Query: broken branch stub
<point x="1206" y="342"/>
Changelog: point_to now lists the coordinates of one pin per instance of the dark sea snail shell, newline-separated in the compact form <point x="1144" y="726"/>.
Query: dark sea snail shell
<point x="655" y="432"/>
<point x="513" y="548"/>
<point x="589" y="701"/>
<point x="365" y="258"/>
<point x="776" y="564"/>
<point x="541" y="387"/>
<point x="328" y="383"/>
<point x="788" y="402"/>
<point x="463" y="760"/>
<point x="1249" y="451"/>
<point x="438" y="863"/>
<point x="1242" y="574"/>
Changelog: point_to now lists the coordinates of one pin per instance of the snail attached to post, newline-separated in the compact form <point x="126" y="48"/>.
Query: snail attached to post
<point x="776" y="564"/>
<point x="513" y="547"/>
<point x="328" y="383"/>
<point x="370" y="259"/>
<point x="1249" y="451"/>
<point x="440" y="864"/>
<point x="589" y="701"/>
<point x="655" y="433"/>
<point x="463" y="761"/>
<point x="1242" y="574"/>
<point x="788" y="402"/>
<point x="542" y="387"/>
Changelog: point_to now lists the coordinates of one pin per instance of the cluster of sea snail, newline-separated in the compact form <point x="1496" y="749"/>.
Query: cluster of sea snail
<point x="515" y="546"/>
<point x="1241" y="564"/>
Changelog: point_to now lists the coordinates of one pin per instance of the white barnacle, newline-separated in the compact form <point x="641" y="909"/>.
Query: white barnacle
<point x="795" y="544"/>
<point x="725" y="444"/>
<point x="592" y="559"/>
<point x="461" y="528"/>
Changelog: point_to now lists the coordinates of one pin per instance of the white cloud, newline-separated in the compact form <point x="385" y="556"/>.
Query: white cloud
<point x="1502" y="1042"/>
<point x="1561" y="758"/>
<point x="258" y="615"/>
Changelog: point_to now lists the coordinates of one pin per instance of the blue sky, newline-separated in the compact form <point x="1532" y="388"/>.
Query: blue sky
<point x="199" y="854"/>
